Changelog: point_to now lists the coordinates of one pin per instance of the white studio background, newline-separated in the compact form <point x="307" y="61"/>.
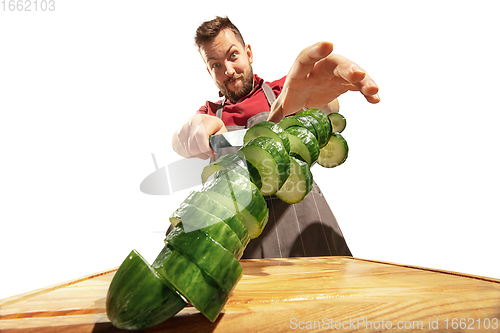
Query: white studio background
<point x="89" y="91"/>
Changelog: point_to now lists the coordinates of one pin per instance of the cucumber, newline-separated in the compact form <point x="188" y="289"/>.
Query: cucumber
<point x="298" y="184"/>
<point x="289" y="122"/>
<point x="248" y="205"/>
<point x="138" y="297"/>
<point x="218" y="230"/>
<point x="192" y="217"/>
<point x="334" y="153"/>
<point x="199" y="262"/>
<point x="303" y="143"/>
<point x="248" y="200"/>
<point x="242" y="182"/>
<point x="208" y="255"/>
<point x="319" y="131"/>
<point x="323" y="120"/>
<point x="268" y="129"/>
<point x="229" y="161"/>
<point x="337" y="122"/>
<point x="203" y="201"/>
<point x="235" y="163"/>
<point x="191" y="282"/>
<point x="270" y="159"/>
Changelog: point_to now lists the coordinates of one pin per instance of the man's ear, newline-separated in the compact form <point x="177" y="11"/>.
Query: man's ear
<point x="248" y="50"/>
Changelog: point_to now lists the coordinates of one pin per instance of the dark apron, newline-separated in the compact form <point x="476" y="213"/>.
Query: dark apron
<point x="305" y="229"/>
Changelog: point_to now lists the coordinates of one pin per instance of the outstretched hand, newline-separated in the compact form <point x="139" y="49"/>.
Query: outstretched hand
<point x="318" y="77"/>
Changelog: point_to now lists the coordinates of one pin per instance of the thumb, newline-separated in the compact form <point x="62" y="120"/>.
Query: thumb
<point x="276" y="113"/>
<point x="223" y="129"/>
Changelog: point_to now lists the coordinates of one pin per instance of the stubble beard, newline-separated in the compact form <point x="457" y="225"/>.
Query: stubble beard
<point x="246" y="88"/>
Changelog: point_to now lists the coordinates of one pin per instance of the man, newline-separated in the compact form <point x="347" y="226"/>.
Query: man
<point x="315" y="80"/>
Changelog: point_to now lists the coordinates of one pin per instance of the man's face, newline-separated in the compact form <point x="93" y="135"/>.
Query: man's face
<point x="229" y="64"/>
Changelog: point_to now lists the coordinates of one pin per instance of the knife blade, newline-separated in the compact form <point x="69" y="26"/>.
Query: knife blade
<point x="228" y="139"/>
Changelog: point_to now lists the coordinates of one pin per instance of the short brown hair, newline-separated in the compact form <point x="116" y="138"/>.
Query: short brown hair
<point x="208" y="30"/>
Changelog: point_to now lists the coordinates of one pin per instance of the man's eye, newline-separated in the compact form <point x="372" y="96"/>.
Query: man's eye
<point x="214" y="66"/>
<point x="233" y="55"/>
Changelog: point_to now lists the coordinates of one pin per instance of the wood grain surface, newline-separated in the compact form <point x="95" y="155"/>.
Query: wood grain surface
<point x="297" y="294"/>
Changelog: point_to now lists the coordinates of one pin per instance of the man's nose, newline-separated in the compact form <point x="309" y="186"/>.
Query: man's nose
<point x="229" y="70"/>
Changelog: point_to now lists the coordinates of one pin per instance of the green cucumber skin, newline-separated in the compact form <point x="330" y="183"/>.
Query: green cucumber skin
<point x="205" y="202"/>
<point x="308" y="124"/>
<point x="138" y="297"/>
<point x="240" y="189"/>
<point x="303" y="137"/>
<point x="219" y="231"/>
<point x="230" y="162"/>
<point x="272" y="161"/>
<point x="299" y="183"/>
<point x="190" y="281"/>
<point x="340" y="155"/>
<point x="322" y="118"/>
<point x="267" y="129"/>
<point x="253" y="224"/>
<point x="337" y="122"/>
<point x="319" y="130"/>
<point x="289" y="122"/>
<point x="193" y="218"/>
<point x="211" y="257"/>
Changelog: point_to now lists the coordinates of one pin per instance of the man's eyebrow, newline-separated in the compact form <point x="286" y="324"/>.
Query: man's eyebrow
<point x="227" y="52"/>
<point x="229" y="49"/>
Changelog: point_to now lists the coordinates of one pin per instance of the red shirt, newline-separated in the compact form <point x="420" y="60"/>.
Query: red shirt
<point x="248" y="106"/>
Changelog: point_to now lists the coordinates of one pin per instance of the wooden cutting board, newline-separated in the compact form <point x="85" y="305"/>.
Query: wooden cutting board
<point x="275" y="295"/>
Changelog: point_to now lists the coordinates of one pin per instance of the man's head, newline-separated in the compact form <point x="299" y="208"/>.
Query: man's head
<point x="227" y="57"/>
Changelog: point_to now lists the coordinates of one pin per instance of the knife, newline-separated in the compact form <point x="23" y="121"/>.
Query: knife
<point x="228" y="139"/>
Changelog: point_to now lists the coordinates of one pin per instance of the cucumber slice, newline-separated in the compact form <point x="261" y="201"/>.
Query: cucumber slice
<point x="303" y="143"/>
<point x="217" y="229"/>
<point x="337" y="121"/>
<point x="192" y="217"/>
<point x="230" y="162"/>
<point x="323" y="120"/>
<point x="271" y="160"/>
<point x="248" y="198"/>
<point x="209" y="256"/>
<point x="298" y="184"/>
<point x="138" y="297"/>
<point x="253" y="225"/>
<point x="191" y="282"/>
<point x="322" y="135"/>
<point x="235" y="163"/>
<point x="247" y="204"/>
<point x="268" y="129"/>
<point x="289" y="122"/>
<point x="334" y="153"/>
<point x="203" y="201"/>
<point x="230" y="176"/>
